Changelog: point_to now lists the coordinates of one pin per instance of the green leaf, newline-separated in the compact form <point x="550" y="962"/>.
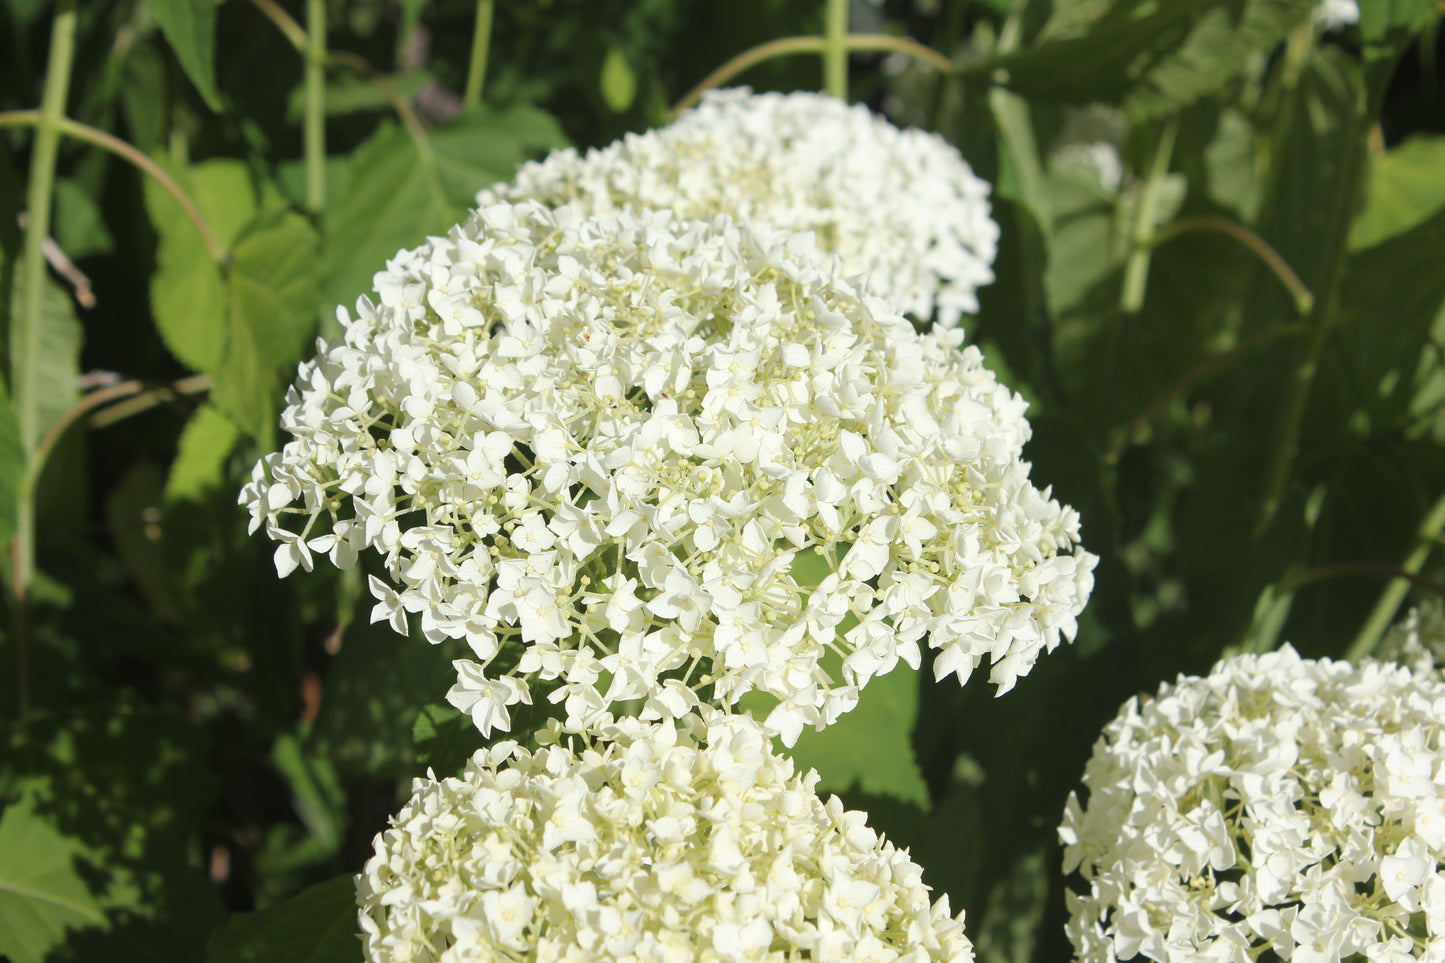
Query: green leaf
<point x="79" y="226"/>
<point x="870" y="747"/>
<point x="317" y="925"/>
<point x="1405" y="189"/>
<point x="1394" y="22"/>
<point x="1152" y="58"/>
<point x="42" y="895"/>
<point x="375" y="688"/>
<point x="617" y="83"/>
<point x="199" y="467"/>
<point x="190" y="27"/>
<point x="12" y="468"/>
<point x="444" y="739"/>
<point x="188" y="296"/>
<point x="132" y="511"/>
<point x="397" y="191"/>
<point x="57" y="363"/>
<point x="271" y="298"/>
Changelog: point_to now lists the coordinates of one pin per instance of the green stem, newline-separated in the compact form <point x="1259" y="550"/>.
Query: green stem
<point x="1277" y="473"/>
<point x="481" y="43"/>
<point x="1278" y="266"/>
<point x="128" y="152"/>
<point x="1389" y="603"/>
<point x="25" y="334"/>
<point x="1136" y="272"/>
<point x="835" y="51"/>
<point x="315" y="133"/>
<point x="790" y="45"/>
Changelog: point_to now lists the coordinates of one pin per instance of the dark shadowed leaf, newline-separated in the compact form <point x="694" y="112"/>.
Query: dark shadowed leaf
<point x="317" y="925"/>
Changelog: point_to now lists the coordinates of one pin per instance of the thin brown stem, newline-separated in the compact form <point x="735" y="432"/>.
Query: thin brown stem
<point x="791" y="45"/>
<point x="126" y="151"/>
<point x="142" y="395"/>
<point x="1303" y="298"/>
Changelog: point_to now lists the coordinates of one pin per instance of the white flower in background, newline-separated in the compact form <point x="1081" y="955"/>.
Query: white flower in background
<point x="1279" y="804"/>
<point x="676" y="461"/>
<point x="1335" y="14"/>
<point x="898" y="206"/>
<point x="656" y="844"/>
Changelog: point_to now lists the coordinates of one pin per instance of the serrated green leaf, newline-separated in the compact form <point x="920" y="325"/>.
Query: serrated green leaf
<point x="317" y="925"/>
<point x="1406" y="188"/>
<point x="617" y="83"/>
<point x="190" y="27"/>
<point x="42" y="895"/>
<point x="271" y="299"/>
<point x="1152" y="58"/>
<point x="199" y="467"/>
<point x="871" y="747"/>
<point x="397" y="191"/>
<point x="188" y="296"/>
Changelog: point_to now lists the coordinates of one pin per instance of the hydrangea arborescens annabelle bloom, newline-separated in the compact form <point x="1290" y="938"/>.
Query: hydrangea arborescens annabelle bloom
<point x="1279" y="805"/>
<point x="659" y="844"/>
<point x="610" y="438"/>
<point x="901" y="207"/>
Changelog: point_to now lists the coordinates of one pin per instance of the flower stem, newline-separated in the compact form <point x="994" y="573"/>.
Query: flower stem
<point x="25" y="333"/>
<point x="128" y="152"/>
<point x="784" y="46"/>
<point x="1136" y="272"/>
<point x="315" y="132"/>
<point x="481" y="43"/>
<point x="1277" y="265"/>
<point x="835" y="50"/>
<point x="1389" y="603"/>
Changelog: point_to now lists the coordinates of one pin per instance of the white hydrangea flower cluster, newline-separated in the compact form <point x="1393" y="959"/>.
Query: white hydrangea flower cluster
<point x="1335" y="14"/>
<point x="610" y="438"/>
<point x="901" y="207"/>
<point x="1280" y="805"/>
<point x="659" y="845"/>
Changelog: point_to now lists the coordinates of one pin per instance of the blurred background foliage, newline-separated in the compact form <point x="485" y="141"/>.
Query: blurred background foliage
<point x="1220" y="286"/>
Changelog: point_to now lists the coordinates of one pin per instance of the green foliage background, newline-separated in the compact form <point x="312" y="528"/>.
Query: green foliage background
<point x="196" y="755"/>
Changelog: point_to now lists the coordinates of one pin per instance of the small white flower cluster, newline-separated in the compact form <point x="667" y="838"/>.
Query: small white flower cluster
<point x="1279" y="804"/>
<point x="900" y="207"/>
<point x="659" y="845"/>
<point x="609" y="437"/>
<point x="1335" y="14"/>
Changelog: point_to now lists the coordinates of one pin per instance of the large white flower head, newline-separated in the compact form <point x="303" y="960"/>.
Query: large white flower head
<point x="1335" y="14"/>
<point x="676" y="461"/>
<point x="901" y="207"/>
<point x="658" y="844"/>
<point x="1279" y="808"/>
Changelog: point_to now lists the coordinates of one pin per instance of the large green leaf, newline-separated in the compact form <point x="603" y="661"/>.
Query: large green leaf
<point x="1406" y="188"/>
<point x="271" y="298"/>
<point x="317" y="925"/>
<point x="55" y="367"/>
<point x="1153" y="58"/>
<point x="188" y="291"/>
<point x="1394" y="22"/>
<point x="190" y="26"/>
<point x="398" y="190"/>
<point x="42" y="894"/>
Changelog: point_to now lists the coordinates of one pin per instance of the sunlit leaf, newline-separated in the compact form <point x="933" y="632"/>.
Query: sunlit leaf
<point x="1406" y="188"/>
<point x="188" y="297"/>
<point x="617" y="83"/>
<point x="205" y="443"/>
<point x="42" y="894"/>
<point x="271" y="298"/>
